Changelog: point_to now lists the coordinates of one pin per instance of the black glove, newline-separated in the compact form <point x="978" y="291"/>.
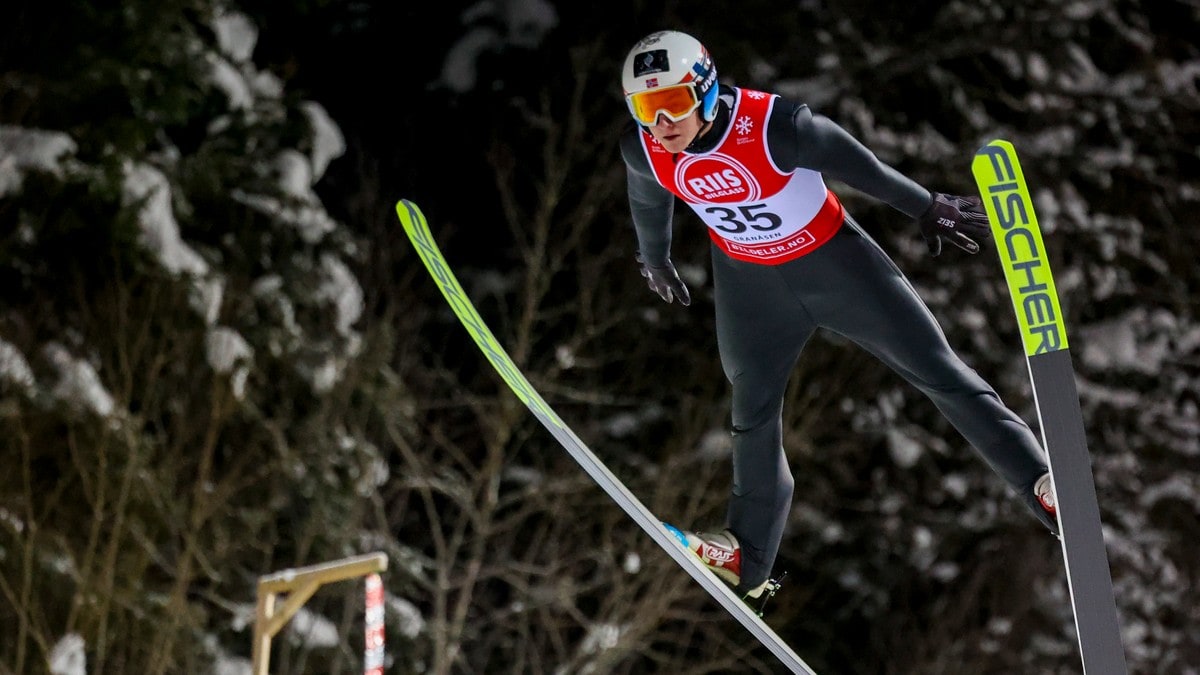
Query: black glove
<point x="665" y="281"/>
<point x="959" y="220"/>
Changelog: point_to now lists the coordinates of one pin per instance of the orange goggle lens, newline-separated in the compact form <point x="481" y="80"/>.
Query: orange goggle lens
<point x="676" y="102"/>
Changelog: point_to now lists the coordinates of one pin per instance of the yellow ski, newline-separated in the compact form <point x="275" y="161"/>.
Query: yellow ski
<point x="418" y="231"/>
<point x="1018" y="240"/>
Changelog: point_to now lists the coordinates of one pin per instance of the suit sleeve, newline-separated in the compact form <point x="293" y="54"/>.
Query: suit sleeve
<point x="800" y="138"/>
<point x="650" y="204"/>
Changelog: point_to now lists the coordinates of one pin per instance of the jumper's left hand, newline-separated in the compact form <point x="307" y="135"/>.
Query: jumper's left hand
<point x="959" y="220"/>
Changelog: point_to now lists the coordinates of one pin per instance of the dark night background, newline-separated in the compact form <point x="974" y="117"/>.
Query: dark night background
<point x="150" y="482"/>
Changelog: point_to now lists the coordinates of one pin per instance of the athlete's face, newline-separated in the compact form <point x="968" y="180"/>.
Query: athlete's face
<point x="675" y="136"/>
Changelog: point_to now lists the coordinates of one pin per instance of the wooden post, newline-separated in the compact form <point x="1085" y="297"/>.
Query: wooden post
<point x="299" y="584"/>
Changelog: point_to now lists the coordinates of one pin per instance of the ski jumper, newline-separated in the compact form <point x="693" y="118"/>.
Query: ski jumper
<point x="787" y="259"/>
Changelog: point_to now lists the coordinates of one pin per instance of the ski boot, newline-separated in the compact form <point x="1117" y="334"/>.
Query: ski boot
<point x="1044" y="491"/>
<point x="722" y="554"/>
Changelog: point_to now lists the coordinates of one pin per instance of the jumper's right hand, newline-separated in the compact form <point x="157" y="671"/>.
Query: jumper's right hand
<point x="665" y="281"/>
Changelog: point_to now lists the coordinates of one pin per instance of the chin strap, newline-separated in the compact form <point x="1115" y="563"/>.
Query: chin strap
<point x="700" y="132"/>
<point x="716" y="126"/>
<point x="691" y="147"/>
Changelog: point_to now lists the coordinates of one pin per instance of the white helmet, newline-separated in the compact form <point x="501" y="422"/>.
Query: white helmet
<point x="669" y="73"/>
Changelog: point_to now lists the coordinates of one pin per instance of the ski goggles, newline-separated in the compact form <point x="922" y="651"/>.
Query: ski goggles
<point x="675" y="102"/>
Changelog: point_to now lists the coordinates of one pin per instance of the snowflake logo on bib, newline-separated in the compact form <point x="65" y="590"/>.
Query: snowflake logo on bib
<point x="744" y="125"/>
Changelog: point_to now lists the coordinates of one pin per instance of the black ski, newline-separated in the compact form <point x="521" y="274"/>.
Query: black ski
<point x="1018" y="240"/>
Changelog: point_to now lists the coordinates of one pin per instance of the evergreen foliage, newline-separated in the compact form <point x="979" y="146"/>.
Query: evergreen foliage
<point x="173" y="430"/>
